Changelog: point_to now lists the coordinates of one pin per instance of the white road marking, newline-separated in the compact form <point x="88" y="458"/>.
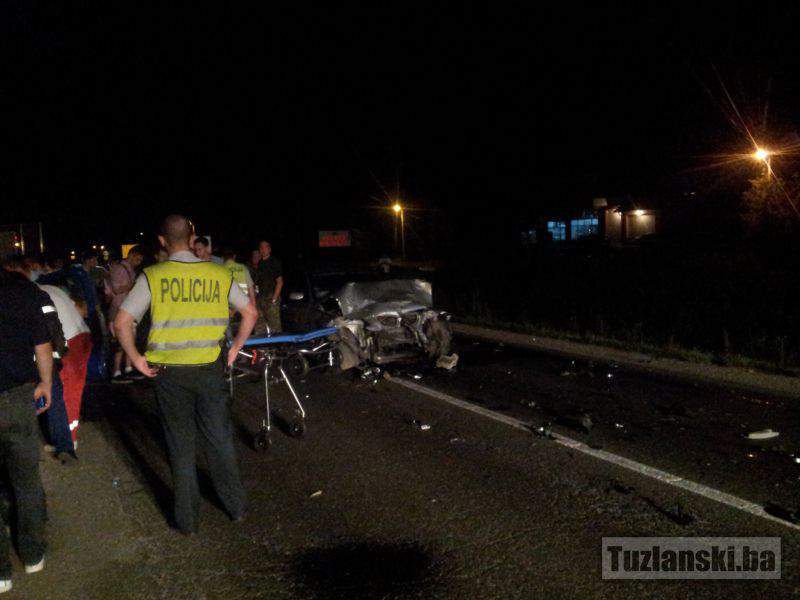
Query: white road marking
<point x="621" y="461"/>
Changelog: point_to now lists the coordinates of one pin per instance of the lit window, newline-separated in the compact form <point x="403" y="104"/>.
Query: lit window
<point x="583" y="227"/>
<point x="529" y="237"/>
<point x="558" y="229"/>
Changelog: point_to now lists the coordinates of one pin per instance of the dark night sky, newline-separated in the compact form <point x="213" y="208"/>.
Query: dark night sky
<point x="256" y="121"/>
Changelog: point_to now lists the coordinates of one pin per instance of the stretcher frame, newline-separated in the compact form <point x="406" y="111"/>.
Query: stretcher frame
<point x="264" y="356"/>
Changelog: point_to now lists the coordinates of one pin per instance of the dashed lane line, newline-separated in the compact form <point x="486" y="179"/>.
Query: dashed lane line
<point x="626" y="463"/>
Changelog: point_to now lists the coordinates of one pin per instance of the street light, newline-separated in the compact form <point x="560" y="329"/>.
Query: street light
<point x="762" y="155"/>
<point x="398" y="210"/>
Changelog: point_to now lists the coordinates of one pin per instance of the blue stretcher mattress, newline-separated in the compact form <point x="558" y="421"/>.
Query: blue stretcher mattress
<point x="297" y="338"/>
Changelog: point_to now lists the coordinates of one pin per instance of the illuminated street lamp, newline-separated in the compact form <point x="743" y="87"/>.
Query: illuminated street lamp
<point x="398" y="210"/>
<point x="762" y="155"/>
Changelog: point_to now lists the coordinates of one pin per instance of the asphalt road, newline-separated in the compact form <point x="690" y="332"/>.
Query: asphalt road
<point x="371" y="505"/>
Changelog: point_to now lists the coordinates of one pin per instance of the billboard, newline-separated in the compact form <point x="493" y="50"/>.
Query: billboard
<point x="334" y="239"/>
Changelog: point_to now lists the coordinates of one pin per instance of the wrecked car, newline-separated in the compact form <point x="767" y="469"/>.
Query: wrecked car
<point x="390" y="321"/>
<point x="380" y="320"/>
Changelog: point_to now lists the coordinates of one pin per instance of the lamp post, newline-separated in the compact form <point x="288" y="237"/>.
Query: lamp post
<point x="398" y="210"/>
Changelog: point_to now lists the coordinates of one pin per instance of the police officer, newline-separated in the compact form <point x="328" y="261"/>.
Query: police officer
<point x="188" y="299"/>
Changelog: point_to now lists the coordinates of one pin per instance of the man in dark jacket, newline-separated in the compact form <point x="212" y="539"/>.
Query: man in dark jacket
<point x="25" y="389"/>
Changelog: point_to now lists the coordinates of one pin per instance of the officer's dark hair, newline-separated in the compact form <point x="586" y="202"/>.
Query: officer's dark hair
<point x="228" y="254"/>
<point x="177" y="229"/>
<point x="203" y="240"/>
<point x="137" y="249"/>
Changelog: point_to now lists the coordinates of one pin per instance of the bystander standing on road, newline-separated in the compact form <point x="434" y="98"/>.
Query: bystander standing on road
<point x="241" y="275"/>
<point x="252" y="266"/>
<point x="123" y="276"/>
<point x="202" y="248"/>
<point x="269" y="282"/>
<point x="189" y="301"/>
<point x="64" y="323"/>
<point x="23" y="382"/>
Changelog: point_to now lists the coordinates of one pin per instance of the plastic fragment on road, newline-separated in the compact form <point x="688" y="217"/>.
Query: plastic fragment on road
<point x="316" y="494"/>
<point x="616" y="486"/>
<point x="447" y="362"/>
<point x="417" y="376"/>
<point x="544" y="431"/>
<point x="764" y="434"/>
<point x="420" y="425"/>
<point x="579" y="422"/>
<point x="371" y="375"/>
<point x="776" y="510"/>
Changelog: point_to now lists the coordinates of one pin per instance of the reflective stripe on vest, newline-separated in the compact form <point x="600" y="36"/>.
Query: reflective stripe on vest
<point x="179" y="323"/>
<point x="189" y="312"/>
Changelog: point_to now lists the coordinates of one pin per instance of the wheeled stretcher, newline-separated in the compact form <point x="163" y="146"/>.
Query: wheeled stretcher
<point x="276" y="358"/>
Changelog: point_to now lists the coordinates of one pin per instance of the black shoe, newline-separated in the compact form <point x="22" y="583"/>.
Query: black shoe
<point x="118" y="379"/>
<point x="134" y="376"/>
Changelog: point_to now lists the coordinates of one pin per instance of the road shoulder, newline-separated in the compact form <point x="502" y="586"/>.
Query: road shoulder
<point x="733" y="377"/>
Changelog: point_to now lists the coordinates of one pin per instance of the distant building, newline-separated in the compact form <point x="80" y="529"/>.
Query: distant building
<point x="617" y="222"/>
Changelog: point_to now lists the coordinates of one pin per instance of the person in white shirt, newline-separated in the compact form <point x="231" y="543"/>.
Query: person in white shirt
<point x="73" y="372"/>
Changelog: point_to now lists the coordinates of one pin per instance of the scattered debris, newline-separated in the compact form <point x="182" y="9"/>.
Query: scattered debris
<point x="776" y="510"/>
<point x="387" y="376"/>
<point x="115" y="482"/>
<point x="457" y="440"/>
<point x="543" y="431"/>
<point x="316" y="494"/>
<point x="417" y="376"/>
<point x="677" y="514"/>
<point x="581" y="422"/>
<point x="371" y="375"/>
<point x="420" y="425"/>
<point x="764" y="434"/>
<point x="529" y="403"/>
<point x="616" y="486"/>
<point x="447" y="362"/>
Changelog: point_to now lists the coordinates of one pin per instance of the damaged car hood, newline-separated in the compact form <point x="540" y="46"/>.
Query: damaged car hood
<point x="364" y="300"/>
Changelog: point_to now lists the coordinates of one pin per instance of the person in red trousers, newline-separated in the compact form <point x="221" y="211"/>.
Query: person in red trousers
<point x="73" y="372"/>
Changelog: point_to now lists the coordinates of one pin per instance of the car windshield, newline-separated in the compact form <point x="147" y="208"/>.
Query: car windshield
<point x="325" y="284"/>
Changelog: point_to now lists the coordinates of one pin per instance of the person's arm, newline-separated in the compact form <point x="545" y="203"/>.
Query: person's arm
<point x="245" y="307"/>
<point x="251" y="288"/>
<point x="123" y="325"/>
<point x="44" y="364"/>
<point x="276" y="296"/>
<point x="133" y="309"/>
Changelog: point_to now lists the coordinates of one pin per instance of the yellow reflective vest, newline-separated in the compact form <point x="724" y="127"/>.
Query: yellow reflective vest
<point x="189" y="312"/>
<point x="239" y="273"/>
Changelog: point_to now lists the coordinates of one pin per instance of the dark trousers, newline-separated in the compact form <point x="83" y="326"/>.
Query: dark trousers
<point x="19" y="450"/>
<point x="56" y="418"/>
<point x="193" y="403"/>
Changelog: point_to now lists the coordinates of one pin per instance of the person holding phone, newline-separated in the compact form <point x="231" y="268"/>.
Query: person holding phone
<point x="26" y="371"/>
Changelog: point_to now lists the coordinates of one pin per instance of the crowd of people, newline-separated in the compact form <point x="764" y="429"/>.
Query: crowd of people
<point x="104" y="320"/>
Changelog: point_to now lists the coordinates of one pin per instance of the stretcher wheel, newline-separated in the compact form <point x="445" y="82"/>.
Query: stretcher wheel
<point x="297" y="429"/>
<point x="262" y="441"/>
<point x="298" y="366"/>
